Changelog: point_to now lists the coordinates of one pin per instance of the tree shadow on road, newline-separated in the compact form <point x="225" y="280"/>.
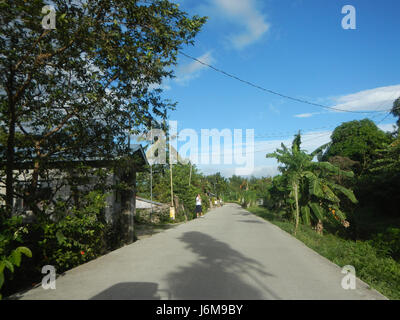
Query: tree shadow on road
<point x="251" y="221"/>
<point x="243" y="213"/>
<point x="130" y="291"/>
<point x="220" y="272"/>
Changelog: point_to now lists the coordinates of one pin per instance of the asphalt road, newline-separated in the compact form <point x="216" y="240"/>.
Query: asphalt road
<point x="228" y="254"/>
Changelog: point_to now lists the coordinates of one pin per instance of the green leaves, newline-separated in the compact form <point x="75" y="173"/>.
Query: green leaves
<point x="329" y="168"/>
<point x="314" y="180"/>
<point x="14" y="259"/>
<point x="77" y="236"/>
<point x="16" y="255"/>
<point x="357" y="140"/>
<point x="60" y="237"/>
<point x="317" y="210"/>
<point x="87" y="85"/>
<point x="347" y="192"/>
<point x="1" y="280"/>
<point x="8" y="265"/>
<point x="340" y="215"/>
<point x="314" y="185"/>
<point x="306" y="215"/>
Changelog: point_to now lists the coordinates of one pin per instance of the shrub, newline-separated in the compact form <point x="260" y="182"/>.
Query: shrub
<point x="387" y="243"/>
<point x="10" y="253"/>
<point x="76" y="236"/>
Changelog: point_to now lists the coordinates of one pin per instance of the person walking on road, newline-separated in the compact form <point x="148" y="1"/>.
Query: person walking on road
<point x="199" y="211"/>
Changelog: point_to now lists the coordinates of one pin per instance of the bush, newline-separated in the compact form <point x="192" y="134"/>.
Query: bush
<point x="10" y="252"/>
<point x="387" y="243"/>
<point x="75" y="237"/>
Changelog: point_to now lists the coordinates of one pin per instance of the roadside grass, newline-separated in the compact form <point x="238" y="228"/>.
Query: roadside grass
<point x="375" y="268"/>
<point x="370" y="221"/>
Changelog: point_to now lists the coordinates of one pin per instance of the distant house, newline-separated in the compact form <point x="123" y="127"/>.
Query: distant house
<point x="142" y="203"/>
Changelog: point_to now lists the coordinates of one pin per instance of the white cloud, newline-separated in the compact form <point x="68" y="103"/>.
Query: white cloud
<point x="309" y="142"/>
<point x="163" y="86"/>
<point x="263" y="166"/>
<point x="247" y="15"/>
<point x="269" y="166"/>
<point x="378" y="99"/>
<point x="192" y="70"/>
<point x="274" y="109"/>
<point x="389" y="127"/>
<point x="304" y="115"/>
<point x="262" y="171"/>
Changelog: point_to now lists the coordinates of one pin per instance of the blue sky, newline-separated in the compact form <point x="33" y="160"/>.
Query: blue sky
<point x="295" y="47"/>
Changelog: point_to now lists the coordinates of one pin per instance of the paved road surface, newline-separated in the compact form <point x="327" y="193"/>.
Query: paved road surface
<point x="228" y="254"/>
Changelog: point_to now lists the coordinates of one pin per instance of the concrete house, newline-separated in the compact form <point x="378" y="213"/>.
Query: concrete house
<point x="119" y="203"/>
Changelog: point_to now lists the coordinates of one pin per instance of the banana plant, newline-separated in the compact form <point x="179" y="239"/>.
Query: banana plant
<point x="11" y="261"/>
<point x="315" y="195"/>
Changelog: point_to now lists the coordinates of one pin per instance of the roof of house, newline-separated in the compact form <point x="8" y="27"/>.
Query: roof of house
<point x="136" y="157"/>
<point x="149" y="201"/>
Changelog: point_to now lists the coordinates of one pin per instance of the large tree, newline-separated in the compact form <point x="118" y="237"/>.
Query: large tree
<point x="357" y="140"/>
<point x="218" y="184"/>
<point x="75" y="91"/>
<point x="396" y="110"/>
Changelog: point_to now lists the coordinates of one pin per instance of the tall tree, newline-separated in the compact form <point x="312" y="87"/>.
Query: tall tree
<point x="386" y="178"/>
<point x="311" y="186"/>
<point x="357" y="140"/>
<point x="396" y="110"/>
<point x="73" y="92"/>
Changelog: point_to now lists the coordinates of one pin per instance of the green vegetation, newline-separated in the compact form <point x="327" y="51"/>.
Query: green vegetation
<point x="370" y="258"/>
<point x="310" y="185"/>
<point x="10" y="257"/>
<point x="396" y="110"/>
<point x="365" y="202"/>
<point x="187" y="182"/>
<point x="351" y="192"/>
<point x="79" y="92"/>
<point x="358" y="141"/>
<point x="74" y="94"/>
<point x="65" y="240"/>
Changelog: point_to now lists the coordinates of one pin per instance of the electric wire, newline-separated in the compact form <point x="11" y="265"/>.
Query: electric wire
<point x="275" y="92"/>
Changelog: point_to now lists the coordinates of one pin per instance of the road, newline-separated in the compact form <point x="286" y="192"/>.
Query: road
<point x="227" y="254"/>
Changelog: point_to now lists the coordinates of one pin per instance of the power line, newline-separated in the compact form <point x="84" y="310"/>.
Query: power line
<point x="387" y="115"/>
<point x="309" y="131"/>
<point x="274" y="92"/>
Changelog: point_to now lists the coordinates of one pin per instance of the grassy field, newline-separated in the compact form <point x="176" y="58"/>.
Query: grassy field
<point x="374" y="267"/>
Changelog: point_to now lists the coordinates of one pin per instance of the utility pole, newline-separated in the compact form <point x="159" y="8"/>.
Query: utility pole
<point x="151" y="181"/>
<point x="172" y="208"/>
<point x="151" y="191"/>
<point x="170" y="174"/>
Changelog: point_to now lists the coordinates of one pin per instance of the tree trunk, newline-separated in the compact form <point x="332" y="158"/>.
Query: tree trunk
<point x="296" y="195"/>
<point x="10" y="164"/>
<point x="10" y="153"/>
<point x="320" y="227"/>
<point x="128" y="204"/>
